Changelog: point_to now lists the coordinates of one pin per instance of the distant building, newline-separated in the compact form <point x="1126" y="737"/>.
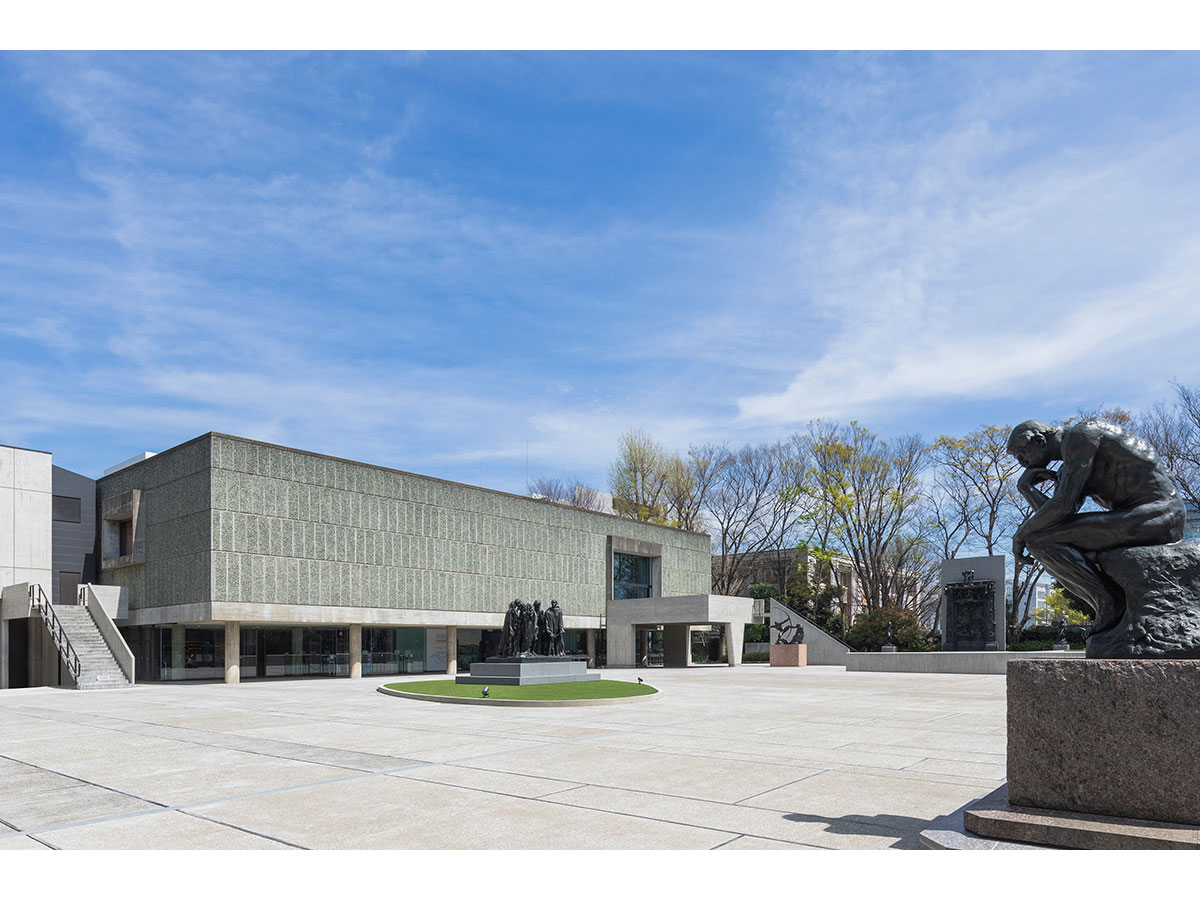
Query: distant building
<point x="1192" y="528"/>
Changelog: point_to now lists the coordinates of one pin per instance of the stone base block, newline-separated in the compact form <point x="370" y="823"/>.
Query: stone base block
<point x="1112" y="737"/>
<point x="994" y="817"/>
<point x="789" y="654"/>
<point x="528" y="670"/>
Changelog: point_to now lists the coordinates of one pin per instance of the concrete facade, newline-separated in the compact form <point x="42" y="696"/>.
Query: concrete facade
<point x="25" y="504"/>
<point x="232" y="521"/>
<point x="676" y="615"/>
<point x="223" y="529"/>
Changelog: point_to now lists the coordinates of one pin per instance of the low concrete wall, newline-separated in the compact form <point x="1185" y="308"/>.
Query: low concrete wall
<point x="99" y="610"/>
<point x="113" y="598"/>
<point x="981" y="662"/>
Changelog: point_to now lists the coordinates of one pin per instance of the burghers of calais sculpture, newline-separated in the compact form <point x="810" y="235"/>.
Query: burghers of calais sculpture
<point x="1124" y="559"/>
<point x="530" y="631"/>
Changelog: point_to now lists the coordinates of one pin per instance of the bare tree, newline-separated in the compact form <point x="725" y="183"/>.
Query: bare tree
<point x="570" y="493"/>
<point x="754" y="508"/>
<point x="1175" y="433"/>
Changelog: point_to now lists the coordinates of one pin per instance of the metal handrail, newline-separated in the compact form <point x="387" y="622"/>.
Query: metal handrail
<point x="40" y="602"/>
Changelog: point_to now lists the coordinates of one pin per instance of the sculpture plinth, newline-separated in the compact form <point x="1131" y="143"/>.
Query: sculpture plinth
<point x="789" y="654"/>
<point x="517" y="670"/>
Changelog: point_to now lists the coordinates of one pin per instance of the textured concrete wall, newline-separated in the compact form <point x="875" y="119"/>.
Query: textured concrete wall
<point x="25" y="534"/>
<point x="175" y="527"/>
<point x="264" y="524"/>
<point x="295" y="527"/>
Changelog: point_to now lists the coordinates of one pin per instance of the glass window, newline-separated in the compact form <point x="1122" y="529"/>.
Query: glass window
<point x="66" y="509"/>
<point x="391" y="651"/>
<point x="631" y="576"/>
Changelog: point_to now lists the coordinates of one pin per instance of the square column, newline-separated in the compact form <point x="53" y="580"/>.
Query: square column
<point x="621" y="646"/>
<point x="451" y="649"/>
<point x="677" y="645"/>
<point x="356" y="651"/>
<point x="178" y="642"/>
<point x="591" y="647"/>
<point x="735" y="638"/>
<point x="233" y="652"/>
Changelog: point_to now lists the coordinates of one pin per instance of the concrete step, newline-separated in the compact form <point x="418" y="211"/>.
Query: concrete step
<point x="98" y="667"/>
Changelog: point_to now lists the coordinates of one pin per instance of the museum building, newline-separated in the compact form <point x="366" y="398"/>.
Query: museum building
<point x="234" y="559"/>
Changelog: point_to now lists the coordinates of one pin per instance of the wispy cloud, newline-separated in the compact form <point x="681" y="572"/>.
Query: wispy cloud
<point x="363" y="256"/>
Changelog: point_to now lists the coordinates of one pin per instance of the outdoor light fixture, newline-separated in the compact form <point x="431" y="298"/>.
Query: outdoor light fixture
<point x="485" y="692"/>
<point x="639" y="679"/>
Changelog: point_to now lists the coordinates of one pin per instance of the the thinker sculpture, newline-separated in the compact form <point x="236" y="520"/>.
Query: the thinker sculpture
<point x="528" y="631"/>
<point x="1123" y="560"/>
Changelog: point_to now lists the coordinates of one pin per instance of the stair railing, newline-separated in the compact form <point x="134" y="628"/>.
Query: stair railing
<point x="40" y="603"/>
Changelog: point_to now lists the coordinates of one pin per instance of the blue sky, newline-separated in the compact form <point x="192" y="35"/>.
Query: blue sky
<point x="444" y="261"/>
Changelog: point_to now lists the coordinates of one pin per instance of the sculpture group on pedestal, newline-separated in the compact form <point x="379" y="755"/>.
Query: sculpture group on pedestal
<point x="530" y="631"/>
<point x="1125" y="561"/>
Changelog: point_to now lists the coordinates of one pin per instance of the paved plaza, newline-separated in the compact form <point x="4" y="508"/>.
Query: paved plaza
<point x="725" y="758"/>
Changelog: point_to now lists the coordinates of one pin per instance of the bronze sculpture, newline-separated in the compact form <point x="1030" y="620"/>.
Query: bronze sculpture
<point x="530" y="631"/>
<point x="1123" y="560"/>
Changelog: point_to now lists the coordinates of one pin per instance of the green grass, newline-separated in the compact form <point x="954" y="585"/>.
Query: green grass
<point x="568" y="690"/>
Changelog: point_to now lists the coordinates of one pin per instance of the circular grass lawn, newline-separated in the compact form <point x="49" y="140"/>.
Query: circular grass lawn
<point x="567" y="690"/>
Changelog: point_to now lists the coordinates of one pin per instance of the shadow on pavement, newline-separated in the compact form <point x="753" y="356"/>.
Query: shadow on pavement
<point x="906" y="828"/>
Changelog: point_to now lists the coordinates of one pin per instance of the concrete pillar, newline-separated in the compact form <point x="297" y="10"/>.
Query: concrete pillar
<point x="723" y="642"/>
<point x="37" y="637"/>
<point x="735" y="638"/>
<point x="451" y="649"/>
<point x="643" y="647"/>
<point x="233" y="652"/>
<point x="296" y="661"/>
<point x="622" y="650"/>
<point x="3" y="654"/>
<point x="677" y="645"/>
<point x="178" y="659"/>
<point x="356" y="651"/>
<point x="591" y="647"/>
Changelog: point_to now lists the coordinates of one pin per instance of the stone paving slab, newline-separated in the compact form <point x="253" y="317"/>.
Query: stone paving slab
<point x="842" y="793"/>
<point x="527" y="786"/>
<point x="167" y="830"/>
<point x="426" y="816"/>
<point x="812" y="831"/>
<point x="726" y="758"/>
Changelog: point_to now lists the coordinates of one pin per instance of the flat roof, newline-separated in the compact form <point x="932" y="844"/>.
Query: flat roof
<point x="355" y="462"/>
<point x="26" y="449"/>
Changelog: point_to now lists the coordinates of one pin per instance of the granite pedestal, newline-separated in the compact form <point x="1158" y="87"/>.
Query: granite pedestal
<point x="1116" y="737"/>
<point x="529" y="670"/>
<point x="1101" y="756"/>
<point x="789" y="654"/>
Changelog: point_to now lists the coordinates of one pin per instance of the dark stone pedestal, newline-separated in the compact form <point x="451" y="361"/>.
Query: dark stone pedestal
<point x="1115" y="737"/>
<point x="529" y="670"/>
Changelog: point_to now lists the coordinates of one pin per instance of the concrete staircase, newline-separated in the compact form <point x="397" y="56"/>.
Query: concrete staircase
<point x="98" y="668"/>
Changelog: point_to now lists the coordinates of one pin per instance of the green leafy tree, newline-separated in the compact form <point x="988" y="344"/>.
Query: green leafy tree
<point x="871" y="491"/>
<point x="1060" y="605"/>
<point x="869" y="631"/>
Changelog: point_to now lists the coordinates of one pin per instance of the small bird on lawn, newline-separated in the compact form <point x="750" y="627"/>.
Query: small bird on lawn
<point x="485" y="691"/>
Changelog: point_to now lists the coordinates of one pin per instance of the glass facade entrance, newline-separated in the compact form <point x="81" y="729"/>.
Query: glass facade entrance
<point x="272" y="652"/>
<point x="393" y="651"/>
